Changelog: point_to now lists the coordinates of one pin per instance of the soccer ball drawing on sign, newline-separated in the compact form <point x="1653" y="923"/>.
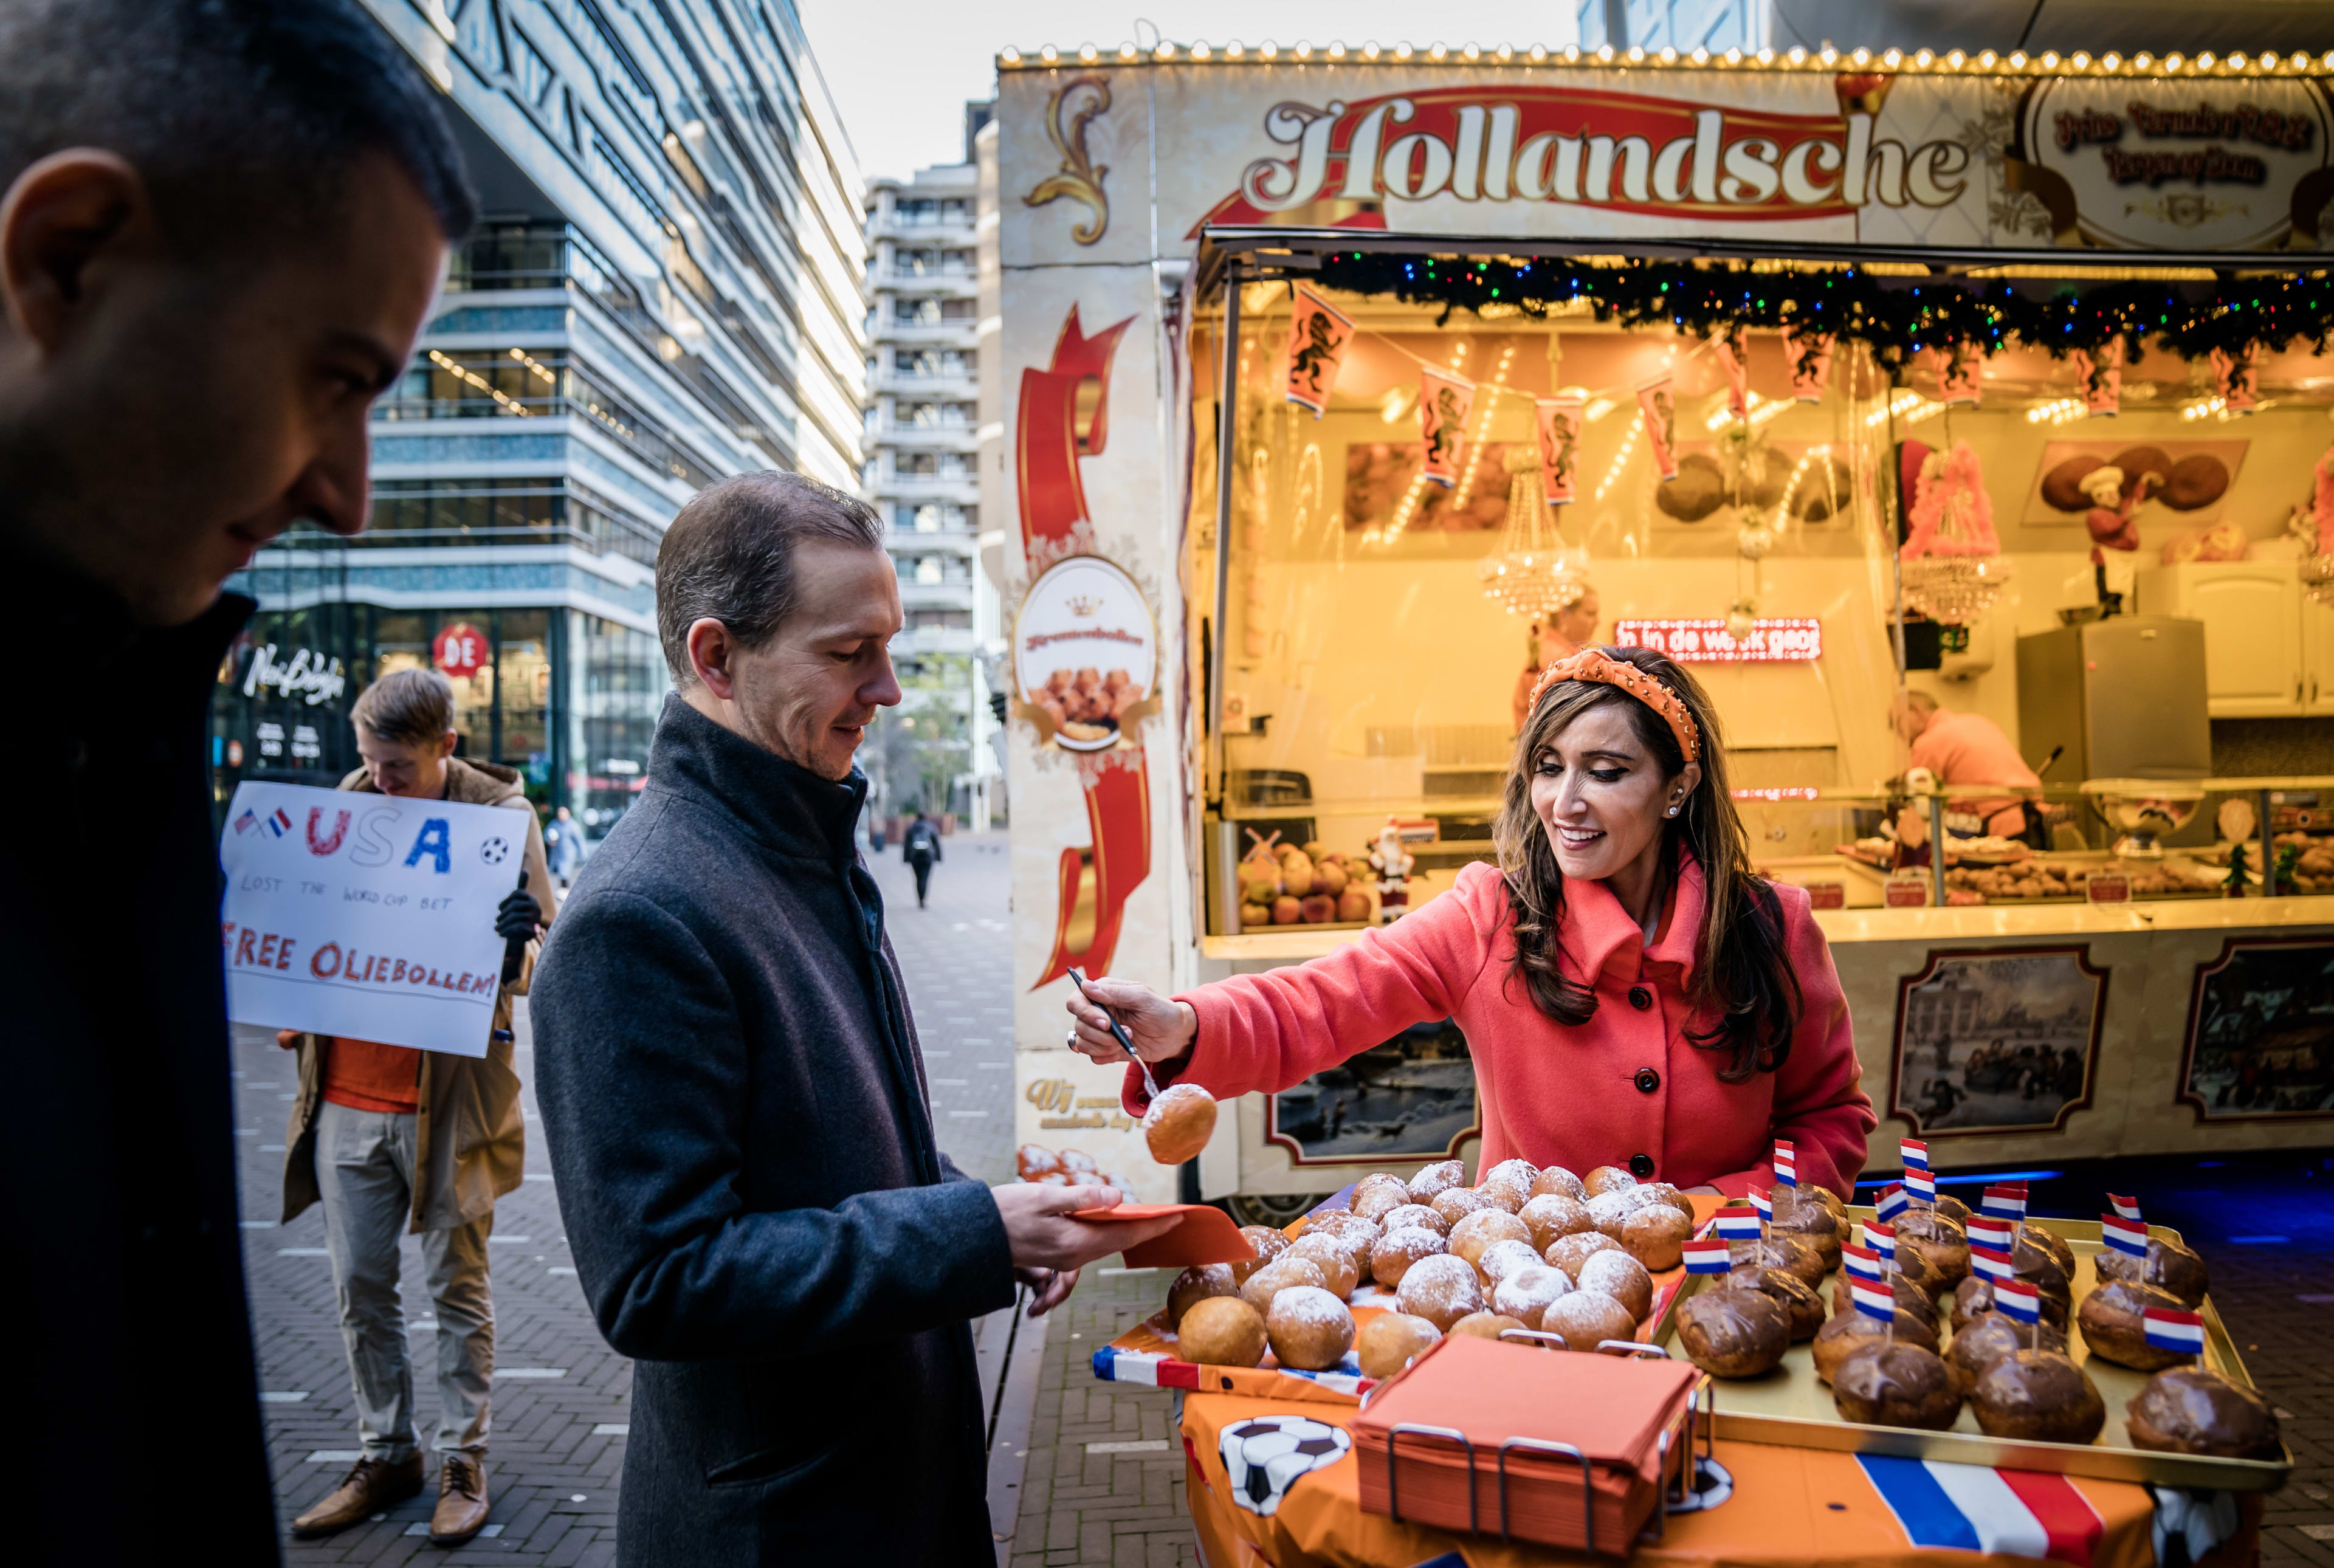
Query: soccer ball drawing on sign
<point x="1265" y="1457"/>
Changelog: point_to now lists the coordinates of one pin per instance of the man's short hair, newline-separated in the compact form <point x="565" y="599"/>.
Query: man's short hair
<point x="241" y="116"/>
<point x="407" y="707"/>
<point x="729" y="556"/>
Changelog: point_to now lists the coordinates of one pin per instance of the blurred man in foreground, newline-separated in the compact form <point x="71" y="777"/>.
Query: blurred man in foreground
<point x="221" y="223"/>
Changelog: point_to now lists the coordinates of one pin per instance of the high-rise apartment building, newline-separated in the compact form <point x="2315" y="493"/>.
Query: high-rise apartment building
<point x="922" y="424"/>
<point x="666" y="289"/>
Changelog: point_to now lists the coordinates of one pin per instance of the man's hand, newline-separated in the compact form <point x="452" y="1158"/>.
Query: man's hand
<point x="1162" y="1030"/>
<point x="1049" y="1247"/>
<point x="517" y="916"/>
<point x="285" y="1039"/>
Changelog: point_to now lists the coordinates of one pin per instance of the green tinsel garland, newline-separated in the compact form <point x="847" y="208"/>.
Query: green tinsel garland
<point x="1897" y="317"/>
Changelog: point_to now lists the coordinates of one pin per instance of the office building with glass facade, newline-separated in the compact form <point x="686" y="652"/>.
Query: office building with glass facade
<point x="667" y="289"/>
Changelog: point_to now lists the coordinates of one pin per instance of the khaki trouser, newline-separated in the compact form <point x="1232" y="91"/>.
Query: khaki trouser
<point x="364" y="1167"/>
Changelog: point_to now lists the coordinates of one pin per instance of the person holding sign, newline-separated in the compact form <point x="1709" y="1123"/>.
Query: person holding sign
<point x="221" y="226"/>
<point x="1632" y="993"/>
<point x="759" y="1210"/>
<point x="391" y="1140"/>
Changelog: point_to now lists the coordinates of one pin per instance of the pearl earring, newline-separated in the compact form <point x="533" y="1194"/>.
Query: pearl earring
<point x="1673" y="810"/>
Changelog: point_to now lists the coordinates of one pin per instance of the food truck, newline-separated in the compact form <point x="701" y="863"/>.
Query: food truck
<point x="1335" y="387"/>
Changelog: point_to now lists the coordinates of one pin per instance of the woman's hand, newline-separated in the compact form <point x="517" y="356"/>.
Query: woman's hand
<point x="1162" y="1030"/>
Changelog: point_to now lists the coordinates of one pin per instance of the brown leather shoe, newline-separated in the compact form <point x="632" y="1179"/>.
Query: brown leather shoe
<point x="370" y="1486"/>
<point x="461" y="1509"/>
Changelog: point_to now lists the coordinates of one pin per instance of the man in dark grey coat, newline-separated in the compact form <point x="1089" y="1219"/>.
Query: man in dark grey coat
<point x="735" y="1101"/>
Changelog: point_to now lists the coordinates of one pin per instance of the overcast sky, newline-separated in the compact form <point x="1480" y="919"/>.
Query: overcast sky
<point x="902" y="70"/>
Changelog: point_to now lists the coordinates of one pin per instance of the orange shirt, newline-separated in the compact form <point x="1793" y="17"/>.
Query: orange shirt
<point x="364" y="1076"/>
<point x="1968" y="748"/>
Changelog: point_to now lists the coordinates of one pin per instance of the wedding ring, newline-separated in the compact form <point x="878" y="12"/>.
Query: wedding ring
<point x="1073" y="1038"/>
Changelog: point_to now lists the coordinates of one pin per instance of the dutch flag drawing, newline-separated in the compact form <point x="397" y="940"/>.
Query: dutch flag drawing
<point x="1920" y="1183"/>
<point x="1892" y="1201"/>
<point x="1882" y="1239"/>
<point x="1785" y="1163"/>
<point x="2004" y="1202"/>
<point x="2125" y="1207"/>
<point x="1992" y="1262"/>
<point x="1763" y="1202"/>
<point x="1872" y="1299"/>
<point x="1708" y="1254"/>
<point x="1736" y="1224"/>
<point x="279" y="823"/>
<point x="2174" y="1330"/>
<point x="2126" y="1235"/>
<point x="1945" y="1506"/>
<point x="2017" y="1302"/>
<point x="1915" y="1152"/>
<point x="1984" y="1232"/>
<point x="1861" y="1263"/>
<point x="248" y="821"/>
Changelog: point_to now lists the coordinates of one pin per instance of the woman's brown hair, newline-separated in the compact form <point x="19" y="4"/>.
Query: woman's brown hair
<point x="1740" y="971"/>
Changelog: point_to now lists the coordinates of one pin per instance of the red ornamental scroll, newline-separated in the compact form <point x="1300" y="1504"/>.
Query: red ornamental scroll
<point x="1558" y="420"/>
<point x="1958" y="380"/>
<point x="2234" y="372"/>
<point x="1317" y="336"/>
<point x="1809" y="353"/>
<point x="1657" y="400"/>
<point x="1732" y="352"/>
<point x="1065" y="413"/>
<point x="1443" y="400"/>
<point x="2100" y="377"/>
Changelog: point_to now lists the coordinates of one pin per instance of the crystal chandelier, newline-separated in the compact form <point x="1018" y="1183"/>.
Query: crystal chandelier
<point x="1533" y="572"/>
<point x="1954" y="589"/>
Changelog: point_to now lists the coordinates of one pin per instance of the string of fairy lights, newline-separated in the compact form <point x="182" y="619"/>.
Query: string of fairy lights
<point x="1897" y="318"/>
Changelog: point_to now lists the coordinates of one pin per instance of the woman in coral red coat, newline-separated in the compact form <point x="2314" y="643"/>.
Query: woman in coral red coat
<point x="1631" y="992"/>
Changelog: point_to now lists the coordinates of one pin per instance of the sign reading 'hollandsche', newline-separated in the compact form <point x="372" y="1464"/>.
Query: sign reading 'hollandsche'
<point x="1709" y="641"/>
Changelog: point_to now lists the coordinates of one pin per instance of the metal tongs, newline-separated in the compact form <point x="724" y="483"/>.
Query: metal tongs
<point x="1118" y="1031"/>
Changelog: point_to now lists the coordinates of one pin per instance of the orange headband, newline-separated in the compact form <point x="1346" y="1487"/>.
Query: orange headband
<point x="1595" y="664"/>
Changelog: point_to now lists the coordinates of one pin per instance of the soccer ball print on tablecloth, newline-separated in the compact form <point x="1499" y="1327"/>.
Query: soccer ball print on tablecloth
<point x="1265" y="1457"/>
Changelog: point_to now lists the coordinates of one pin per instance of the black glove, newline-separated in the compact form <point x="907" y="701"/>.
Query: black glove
<point x="517" y="916"/>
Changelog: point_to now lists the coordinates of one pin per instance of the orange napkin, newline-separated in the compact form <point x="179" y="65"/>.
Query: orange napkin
<point x="1204" y="1234"/>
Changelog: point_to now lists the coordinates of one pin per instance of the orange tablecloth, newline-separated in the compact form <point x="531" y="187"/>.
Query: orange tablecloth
<point x="1790" y="1507"/>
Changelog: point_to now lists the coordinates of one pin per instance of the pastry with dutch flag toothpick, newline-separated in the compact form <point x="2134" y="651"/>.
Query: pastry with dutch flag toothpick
<point x="2037" y="1396"/>
<point x="1815" y="1225"/>
<point x="1894" y="1383"/>
<point x="1990" y="1338"/>
<point x="2116" y="1321"/>
<point x="1936" y="1238"/>
<point x="2132" y="1254"/>
<point x="1732" y="1333"/>
<point x="1802" y="1307"/>
<point x="2191" y="1411"/>
<point x="1864" y="1265"/>
<point x="1868" y="1323"/>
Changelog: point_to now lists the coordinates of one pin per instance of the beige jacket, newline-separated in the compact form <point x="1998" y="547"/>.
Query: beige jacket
<point x="469" y="1137"/>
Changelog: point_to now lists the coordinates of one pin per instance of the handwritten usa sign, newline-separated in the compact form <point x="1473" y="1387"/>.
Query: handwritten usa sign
<point x="366" y="916"/>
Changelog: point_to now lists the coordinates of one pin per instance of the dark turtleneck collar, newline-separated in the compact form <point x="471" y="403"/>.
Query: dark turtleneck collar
<point x="787" y="808"/>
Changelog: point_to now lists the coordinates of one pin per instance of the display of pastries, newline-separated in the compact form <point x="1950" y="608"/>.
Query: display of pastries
<point x="1894" y="1383"/>
<point x="2112" y="1327"/>
<point x="2191" y="1411"/>
<point x="1733" y="1333"/>
<point x="2037" y="1396"/>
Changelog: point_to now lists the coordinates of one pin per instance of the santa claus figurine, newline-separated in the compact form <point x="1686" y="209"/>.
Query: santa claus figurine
<point x="1392" y="863"/>
<point x="2114" y="528"/>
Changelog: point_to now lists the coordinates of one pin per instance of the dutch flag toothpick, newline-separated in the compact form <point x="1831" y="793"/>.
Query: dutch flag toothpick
<point x="2174" y="1330"/>
<point x="1707" y="1255"/>
<point x="2125" y="1207"/>
<point x="1882" y="1239"/>
<point x="1990" y="1262"/>
<point x="1763" y="1202"/>
<point x="2004" y="1202"/>
<point x="1986" y="1232"/>
<point x="2017" y="1300"/>
<point x="1861" y="1263"/>
<point x="1920" y="1183"/>
<point x="1892" y="1201"/>
<point x="1785" y="1163"/>
<point x="1915" y="1152"/>
<point x="1736" y="1224"/>
<point x="1873" y="1300"/>
<point x="2126" y="1235"/>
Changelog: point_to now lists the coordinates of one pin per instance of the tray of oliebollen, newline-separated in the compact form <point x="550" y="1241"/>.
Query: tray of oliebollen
<point x="1791" y="1405"/>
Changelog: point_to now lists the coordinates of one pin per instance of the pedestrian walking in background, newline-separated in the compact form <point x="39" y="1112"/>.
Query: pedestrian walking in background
<point x="391" y="1140"/>
<point x="562" y="840"/>
<point x="736" y="1103"/>
<point x="221" y="223"/>
<point x="921" y="846"/>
